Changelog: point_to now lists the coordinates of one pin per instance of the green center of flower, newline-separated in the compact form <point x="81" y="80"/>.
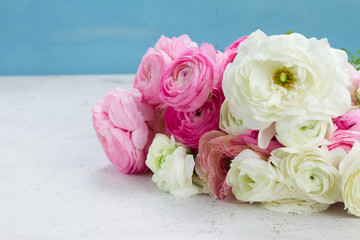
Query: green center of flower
<point x="310" y="125"/>
<point x="284" y="78"/>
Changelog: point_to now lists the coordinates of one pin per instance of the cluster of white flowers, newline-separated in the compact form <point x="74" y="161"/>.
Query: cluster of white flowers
<point x="303" y="179"/>
<point x="290" y="88"/>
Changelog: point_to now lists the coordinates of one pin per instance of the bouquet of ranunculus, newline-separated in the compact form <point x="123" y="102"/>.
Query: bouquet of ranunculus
<point x="273" y="120"/>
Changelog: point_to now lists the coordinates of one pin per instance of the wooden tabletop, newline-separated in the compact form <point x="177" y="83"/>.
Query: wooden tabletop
<point x="57" y="183"/>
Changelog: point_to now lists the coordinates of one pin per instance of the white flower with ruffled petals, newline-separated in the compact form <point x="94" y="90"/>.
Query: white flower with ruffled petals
<point x="305" y="134"/>
<point x="173" y="166"/>
<point x="278" y="76"/>
<point x="309" y="173"/>
<point x="228" y="123"/>
<point x="350" y="180"/>
<point x="253" y="179"/>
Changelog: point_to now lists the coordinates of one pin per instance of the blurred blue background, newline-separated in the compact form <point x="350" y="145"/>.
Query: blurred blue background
<point x="52" y="37"/>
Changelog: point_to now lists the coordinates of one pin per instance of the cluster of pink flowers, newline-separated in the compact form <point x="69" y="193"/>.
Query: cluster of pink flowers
<point x="178" y="92"/>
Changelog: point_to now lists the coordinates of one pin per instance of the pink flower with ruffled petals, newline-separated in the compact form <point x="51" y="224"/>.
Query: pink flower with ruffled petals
<point x="217" y="150"/>
<point x="213" y="161"/>
<point x="348" y="132"/>
<point x="174" y="46"/>
<point x="235" y="45"/>
<point x="348" y="120"/>
<point x="119" y="122"/>
<point x="250" y="138"/>
<point x="188" y="127"/>
<point x="343" y="139"/>
<point x="148" y="76"/>
<point x="189" y="79"/>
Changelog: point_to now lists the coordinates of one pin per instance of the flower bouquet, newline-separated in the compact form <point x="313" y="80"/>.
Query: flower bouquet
<point x="273" y="120"/>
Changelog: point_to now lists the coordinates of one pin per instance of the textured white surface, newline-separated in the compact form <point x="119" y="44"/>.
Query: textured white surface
<point x="56" y="182"/>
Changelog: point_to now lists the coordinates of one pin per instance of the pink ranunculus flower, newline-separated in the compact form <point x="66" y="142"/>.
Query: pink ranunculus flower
<point x="119" y="122"/>
<point x="174" y="46"/>
<point x="250" y="138"/>
<point x="229" y="55"/>
<point x="212" y="163"/>
<point x="348" y="120"/>
<point x="344" y="139"/>
<point x="355" y="81"/>
<point x="188" y="127"/>
<point x="189" y="79"/>
<point x="235" y="45"/>
<point x="148" y="76"/>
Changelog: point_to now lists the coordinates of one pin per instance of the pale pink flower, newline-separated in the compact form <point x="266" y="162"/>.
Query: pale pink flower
<point x="189" y="79"/>
<point x="148" y="76"/>
<point x="188" y="127"/>
<point x="174" y="46"/>
<point x="119" y="122"/>
<point x="217" y="150"/>
<point x="213" y="161"/>
<point x="355" y="81"/>
<point x="209" y="50"/>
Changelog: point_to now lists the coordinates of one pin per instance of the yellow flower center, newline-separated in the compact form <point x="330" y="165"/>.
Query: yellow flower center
<point x="284" y="78"/>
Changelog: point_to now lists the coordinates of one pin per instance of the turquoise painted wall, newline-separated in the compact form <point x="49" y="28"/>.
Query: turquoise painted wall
<point x="45" y="37"/>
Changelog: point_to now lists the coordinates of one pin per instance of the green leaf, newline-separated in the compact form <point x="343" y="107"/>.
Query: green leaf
<point x="288" y="32"/>
<point x="357" y="98"/>
<point x="354" y="108"/>
<point x="355" y="61"/>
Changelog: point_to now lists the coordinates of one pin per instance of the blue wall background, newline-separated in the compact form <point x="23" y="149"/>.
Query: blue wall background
<point x="45" y="37"/>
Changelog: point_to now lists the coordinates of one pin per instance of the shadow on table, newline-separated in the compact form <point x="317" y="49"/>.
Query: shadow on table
<point x="337" y="210"/>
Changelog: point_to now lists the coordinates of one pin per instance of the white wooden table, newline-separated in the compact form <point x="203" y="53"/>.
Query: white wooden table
<point x="57" y="183"/>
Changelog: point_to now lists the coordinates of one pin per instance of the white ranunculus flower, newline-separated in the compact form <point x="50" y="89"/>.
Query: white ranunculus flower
<point x="279" y="76"/>
<point x="295" y="205"/>
<point x="305" y="134"/>
<point x="160" y="147"/>
<point x="173" y="166"/>
<point x="253" y="179"/>
<point x="228" y="123"/>
<point x="350" y="180"/>
<point x="309" y="171"/>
